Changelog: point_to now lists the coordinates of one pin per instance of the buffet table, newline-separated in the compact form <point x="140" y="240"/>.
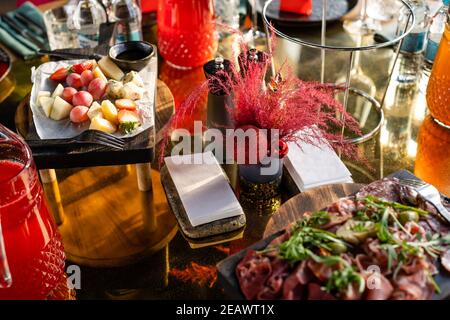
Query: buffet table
<point x="177" y="269"/>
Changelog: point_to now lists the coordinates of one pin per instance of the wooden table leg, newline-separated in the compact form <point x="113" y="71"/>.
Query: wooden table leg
<point x="144" y="176"/>
<point x="51" y="188"/>
<point x="149" y="212"/>
<point x="144" y="180"/>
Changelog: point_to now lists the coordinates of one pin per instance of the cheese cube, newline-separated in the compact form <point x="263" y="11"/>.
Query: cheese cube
<point x="110" y="69"/>
<point x="132" y="91"/>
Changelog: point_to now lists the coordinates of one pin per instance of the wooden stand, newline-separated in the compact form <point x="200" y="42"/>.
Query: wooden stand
<point x="116" y="224"/>
<point x="51" y="189"/>
<point x="310" y="200"/>
<point x="111" y="216"/>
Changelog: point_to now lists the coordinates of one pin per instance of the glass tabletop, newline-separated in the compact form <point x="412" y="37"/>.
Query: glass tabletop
<point x="178" y="271"/>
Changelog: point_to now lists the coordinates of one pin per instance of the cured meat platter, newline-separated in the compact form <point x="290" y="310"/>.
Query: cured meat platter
<point x="286" y="266"/>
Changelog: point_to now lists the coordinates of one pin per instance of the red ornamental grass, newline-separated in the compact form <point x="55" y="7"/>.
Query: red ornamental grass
<point x="201" y="275"/>
<point x="287" y="104"/>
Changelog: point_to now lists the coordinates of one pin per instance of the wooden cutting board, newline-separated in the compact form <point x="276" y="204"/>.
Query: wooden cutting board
<point x="293" y="210"/>
<point x="311" y="200"/>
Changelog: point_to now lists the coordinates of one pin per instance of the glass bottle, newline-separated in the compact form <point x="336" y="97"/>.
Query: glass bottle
<point x="87" y="18"/>
<point x="437" y="27"/>
<point x="411" y="59"/>
<point x="415" y="41"/>
<point x="127" y="15"/>
<point x="438" y="90"/>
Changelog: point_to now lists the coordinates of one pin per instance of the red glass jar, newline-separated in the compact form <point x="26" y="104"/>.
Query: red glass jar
<point x="31" y="252"/>
<point x="186" y="32"/>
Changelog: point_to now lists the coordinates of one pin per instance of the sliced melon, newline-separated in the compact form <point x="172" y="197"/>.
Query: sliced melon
<point x="42" y="94"/>
<point x="95" y="111"/>
<point x="99" y="74"/>
<point x="101" y="124"/>
<point x="46" y="104"/>
<point x="58" y="91"/>
<point x="61" y="109"/>
<point x="109" y="111"/>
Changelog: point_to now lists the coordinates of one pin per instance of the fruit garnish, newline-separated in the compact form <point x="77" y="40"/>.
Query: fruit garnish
<point x="83" y="66"/>
<point x="128" y="120"/>
<point x="125" y="104"/>
<point x="60" y="74"/>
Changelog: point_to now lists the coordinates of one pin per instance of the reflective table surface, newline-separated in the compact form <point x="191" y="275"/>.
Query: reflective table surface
<point x="407" y="140"/>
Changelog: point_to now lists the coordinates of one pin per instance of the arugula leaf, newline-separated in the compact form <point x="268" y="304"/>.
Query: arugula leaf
<point x="340" y="280"/>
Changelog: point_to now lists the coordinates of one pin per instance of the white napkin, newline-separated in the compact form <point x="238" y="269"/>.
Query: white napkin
<point x="311" y="166"/>
<point x="203" y="188"/>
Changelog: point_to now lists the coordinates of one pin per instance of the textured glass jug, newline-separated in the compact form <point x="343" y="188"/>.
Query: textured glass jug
<point x="31" y="252"/>
<point x="186" y="32"/>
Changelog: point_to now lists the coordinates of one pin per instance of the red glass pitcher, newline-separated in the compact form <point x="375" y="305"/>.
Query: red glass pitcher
<point x="31" y="252"/>
<point x="186" y="32"/>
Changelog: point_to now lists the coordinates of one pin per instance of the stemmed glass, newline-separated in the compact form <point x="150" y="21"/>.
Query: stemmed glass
<point x="253" y="36"/>
<point x="363" y="25"/>
<point x="359" y="106"/>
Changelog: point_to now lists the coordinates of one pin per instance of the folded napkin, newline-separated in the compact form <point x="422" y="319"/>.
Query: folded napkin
<point x="28" y="19"/>
<point x="12" y="43"/>
<point x="203" y="188"/>
<point x="312" y="166"/>
<point x="31" y="12"/>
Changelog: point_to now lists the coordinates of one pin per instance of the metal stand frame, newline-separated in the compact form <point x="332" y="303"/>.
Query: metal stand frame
<point x="352" y="50"/>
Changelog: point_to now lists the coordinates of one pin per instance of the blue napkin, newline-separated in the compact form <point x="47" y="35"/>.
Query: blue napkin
<point x="19" y="43"/>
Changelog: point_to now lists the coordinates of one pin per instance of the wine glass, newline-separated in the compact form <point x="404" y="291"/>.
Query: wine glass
<point x="363" y="25"/>
<point x="254" y="37"/>
<point x="359" y="106"/>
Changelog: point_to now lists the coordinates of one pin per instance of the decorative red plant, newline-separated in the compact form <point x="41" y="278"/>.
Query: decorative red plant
<point x="286" y="103"/>
<point x="201" y="275"/>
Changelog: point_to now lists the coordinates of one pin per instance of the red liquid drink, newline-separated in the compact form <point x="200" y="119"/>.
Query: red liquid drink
<point x="31" y="253"/>
<point x="186" y="32"/>
<point x="297" y="6"/>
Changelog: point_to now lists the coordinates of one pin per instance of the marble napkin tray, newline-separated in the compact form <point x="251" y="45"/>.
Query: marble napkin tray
<point x="218" y="227"/>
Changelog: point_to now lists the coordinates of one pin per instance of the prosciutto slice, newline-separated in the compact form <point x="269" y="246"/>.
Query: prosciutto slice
<point x="252" y="273"/>
<point x="274" y="284"/>
<point x="295" y="285"/>
<point x="265" y="275"/>
<point x="381" y="290"/>
<point x="413" y="287"/>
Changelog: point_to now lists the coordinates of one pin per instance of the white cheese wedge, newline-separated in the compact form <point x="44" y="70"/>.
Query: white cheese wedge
<point x="95" y="111"/>
<point x="46" y="104"/>
<point x="61" y="109"/>
<point x="110" y="69"/>
<point x="58" y="91"/>
<point x="114" y="89"/>
<point x="131" y="91"/>
<point x="135" y="78"/>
